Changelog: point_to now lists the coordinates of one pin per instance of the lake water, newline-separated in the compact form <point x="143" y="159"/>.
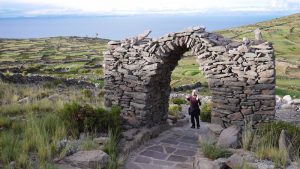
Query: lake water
<point x="119" y="27"/>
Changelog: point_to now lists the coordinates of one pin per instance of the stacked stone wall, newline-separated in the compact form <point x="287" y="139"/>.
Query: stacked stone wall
<point x="241" y="76"/>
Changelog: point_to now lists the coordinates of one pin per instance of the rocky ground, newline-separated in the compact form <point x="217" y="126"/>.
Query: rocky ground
<point x="288" y="109"/>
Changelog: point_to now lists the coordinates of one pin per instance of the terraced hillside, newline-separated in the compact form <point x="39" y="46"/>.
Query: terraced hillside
<point x="69" y="57"/>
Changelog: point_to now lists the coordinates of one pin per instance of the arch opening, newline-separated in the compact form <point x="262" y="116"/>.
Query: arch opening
<point x="240" y="75"/>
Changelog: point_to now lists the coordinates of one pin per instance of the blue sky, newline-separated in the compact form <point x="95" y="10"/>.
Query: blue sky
<point x="32" y="8"/>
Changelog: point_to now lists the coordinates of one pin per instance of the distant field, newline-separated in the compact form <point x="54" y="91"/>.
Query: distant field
<point x="70" y="57"/>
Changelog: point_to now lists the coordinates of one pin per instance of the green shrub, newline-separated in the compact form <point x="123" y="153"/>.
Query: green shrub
<point x="42" y="95"/>
<point x="279" y="157"/>
<point x="98" y="72"/>
<point x="111" y="148"/>
<point x="42" y="134"/>
<point x="79" y="118"/>
<point x="270" y="132"/>
<point x="265" y="142"/>
<point x="2" y="94"/>
<point x="178" y="101"/>
<point x="9" y="146"/>
<point x="52" y="84"/>
<point x="175" y="110"/>
<point x="245" y="165"/>
<point x="248" y="135"/>
<point x="87" y="93"/>
<point x="114" y="136"/>
<point x="205" y="113"/>
<point x="101" y="94"/>
<point x="213" y="152"/>
<point x="5" y="122"/>
<point x="88" y="144"/>
<point x="83" y="71"/>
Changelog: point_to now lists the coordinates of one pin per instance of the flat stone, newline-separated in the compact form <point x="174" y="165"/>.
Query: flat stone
<point x="140" y="159"/>
<point x="174" y="142"/>
<point x="162" y="163"/>
<point x="154" y="154"/>
<point x="170" y="149"/>
<point x="217" y="49"/>
<point x="156" y="148"/>
<point x="184" y="165"/>
<point x="185" y="153"/>
<point x="91" y="159"/>
<point x="189" y="140"/>
<point x="150" y="166"/>
<point x="131" y="166"/>
<point x="267" y="73"/>
<point x="177" y="158"/>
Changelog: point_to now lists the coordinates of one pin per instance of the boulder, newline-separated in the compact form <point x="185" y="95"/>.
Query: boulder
<point x="293" y="165"/>
<point x="263" y="164"/>
<point x="286" y="99"/>
<point x="236" y="160"/>
<point x="220" y="163"/>
<point x="203" y="163"/>
<point x="88" y="159"/>
<point x="215" y="128"/>
<point x="129" y="134"/>
<point x="286" y="106"/>
<point x="239" y="158"/>
<point x="285" y="144"/>
<point x="229" y="137"/>
<point x="53" y="97"/>
<point x="208" y="137"/>
<point x="296" y="101"/>
<point x="24" y="100"/>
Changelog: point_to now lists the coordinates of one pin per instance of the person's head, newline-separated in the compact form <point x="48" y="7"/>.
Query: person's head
<point x="194" y="93"/>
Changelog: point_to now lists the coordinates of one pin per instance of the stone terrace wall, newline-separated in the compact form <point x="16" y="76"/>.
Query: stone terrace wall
<point x="241" y="76"/>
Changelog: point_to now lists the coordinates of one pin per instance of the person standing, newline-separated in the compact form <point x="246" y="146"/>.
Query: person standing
<point x="194" y="110"/>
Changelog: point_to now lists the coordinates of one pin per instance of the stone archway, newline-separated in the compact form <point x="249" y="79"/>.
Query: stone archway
<point x="241" y="76"/>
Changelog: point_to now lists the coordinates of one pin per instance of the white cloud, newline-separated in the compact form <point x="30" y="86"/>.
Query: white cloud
<point x="51" y="7"/>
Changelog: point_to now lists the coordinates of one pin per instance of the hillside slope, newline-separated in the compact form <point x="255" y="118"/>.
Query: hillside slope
<point x="283" y="32"/>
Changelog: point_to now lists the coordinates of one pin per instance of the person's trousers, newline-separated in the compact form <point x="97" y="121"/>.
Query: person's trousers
<point x="193" y="117"/>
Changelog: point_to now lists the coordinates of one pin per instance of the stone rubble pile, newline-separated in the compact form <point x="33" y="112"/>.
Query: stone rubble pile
<point x="39" y="79"/>
<point x="187" y="87"/>
<point x="286" y="102"/>
<point x="241" y="76"/>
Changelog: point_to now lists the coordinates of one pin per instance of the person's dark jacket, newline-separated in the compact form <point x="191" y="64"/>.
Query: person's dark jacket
<point x="194" y="107"/>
